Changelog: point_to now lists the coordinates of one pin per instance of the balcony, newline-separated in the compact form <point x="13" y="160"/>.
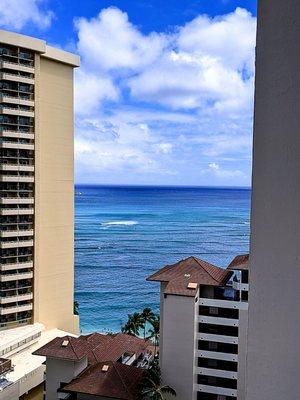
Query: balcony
<point x="15" y="309"/>
<point x="16" y="78"/>
<point x="218" y="321"/>
<point x="16" y="243"/>
<point x="5" y="98"/>
<point x="13" y="145"/>
<point x="16" y="277"/>
<point x="16" y="178"/>
<point x="217" y="338"/>
<point x="15" y="299"/>
<point x="216" y="390"/>
<point x="16" y="167"/>
<point x="216" y="372"/>
<point x="18" y="265"/>
<point x="16" y="67"/>
<point x="16" y="200"/>
<point x="223" y="303"/>
<point x="215" y="355"/>
<point x="240" y="286"/>
<point x="16" y="233"/>
<point x="16" y="211"/>
<point x="17" y="134"/>
<point x="16" y="111"/>
<point x="15" y="323"/>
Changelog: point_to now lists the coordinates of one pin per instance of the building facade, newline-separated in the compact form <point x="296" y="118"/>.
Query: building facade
<point x="36" y="179"/>
<point x="203" y="329"/>
<point x="96" y="366"/>
<point x="273" y="358"/>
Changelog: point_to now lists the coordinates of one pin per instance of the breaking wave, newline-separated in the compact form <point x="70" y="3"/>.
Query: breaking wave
<point x="119" y="223"/>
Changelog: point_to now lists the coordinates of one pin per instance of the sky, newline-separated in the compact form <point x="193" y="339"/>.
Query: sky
<point x="164" y="94"/>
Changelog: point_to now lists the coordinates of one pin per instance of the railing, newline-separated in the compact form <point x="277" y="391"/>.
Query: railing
<point x="19" y="64"/>
<point x="15" y="323"/>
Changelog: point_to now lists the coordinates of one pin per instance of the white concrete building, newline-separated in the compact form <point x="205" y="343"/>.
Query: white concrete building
<point x="273" y="361"/>
<point x="26" y="375"/>
<point x="203" y="328"/>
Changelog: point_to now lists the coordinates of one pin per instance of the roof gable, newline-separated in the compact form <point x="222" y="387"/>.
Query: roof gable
<point x="191" y="270"/>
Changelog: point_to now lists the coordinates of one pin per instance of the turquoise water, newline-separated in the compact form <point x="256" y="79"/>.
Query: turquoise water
<point x="123" y="234"/>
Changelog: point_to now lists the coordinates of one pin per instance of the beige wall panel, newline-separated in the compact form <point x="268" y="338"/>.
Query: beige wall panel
<point x="54" y="192"/>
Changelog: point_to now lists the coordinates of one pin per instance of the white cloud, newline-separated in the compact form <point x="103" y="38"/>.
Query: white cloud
<point x="15" y="14"/>
<point x="163" y="104"/>
<point x="111" y="42"/>
<point x="217" y="56"/>
<point x="92" y="90"/>
<point x="224" y="174"/>
<point x="118" y="147"/>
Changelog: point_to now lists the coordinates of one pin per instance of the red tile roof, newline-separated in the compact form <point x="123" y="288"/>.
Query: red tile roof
<point x="119" y="344"/>
<point x="190" y="270"/>
<point x="240" y="262"/>
<point x="118" y="382"/>
<point x="97" y="347"/>
<point x="75" y="350"/>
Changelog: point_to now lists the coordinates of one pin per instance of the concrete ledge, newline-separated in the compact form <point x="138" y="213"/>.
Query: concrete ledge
<point x="27" y="42"/>
<point x="62" y="56"/>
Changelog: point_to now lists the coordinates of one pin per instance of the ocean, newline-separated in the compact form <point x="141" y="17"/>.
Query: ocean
<point x="123" y="234"/>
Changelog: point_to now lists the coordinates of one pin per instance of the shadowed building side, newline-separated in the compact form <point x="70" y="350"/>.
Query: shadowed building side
<point x="201" y="328"/>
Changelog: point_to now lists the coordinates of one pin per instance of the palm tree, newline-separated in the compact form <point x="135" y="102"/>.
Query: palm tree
<point x="133" y="325"/>
<point x="151" y="386"/>
<point x="128" y="329"/>
<point x="147" y="316"/>
<point x="154" y="332"/>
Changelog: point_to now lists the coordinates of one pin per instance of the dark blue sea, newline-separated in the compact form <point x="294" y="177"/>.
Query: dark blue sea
<point x="123" y="234"/>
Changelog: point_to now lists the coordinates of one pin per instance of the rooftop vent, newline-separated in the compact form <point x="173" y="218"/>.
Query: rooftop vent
<point x="105" y="368"/>
<point x="192" y="285"/>
<point x="65" y="343"/>
<point x="187" y="275"/>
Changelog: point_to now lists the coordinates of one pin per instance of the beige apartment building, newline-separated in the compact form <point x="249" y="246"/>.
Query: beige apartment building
<point x="203" y="328"/>
<point x="36" y="179"/>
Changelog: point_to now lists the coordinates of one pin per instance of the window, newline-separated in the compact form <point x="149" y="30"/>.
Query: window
<point x="212" y="363"/>
<point x="213" y="345"/>
<point x="214" y="310"/>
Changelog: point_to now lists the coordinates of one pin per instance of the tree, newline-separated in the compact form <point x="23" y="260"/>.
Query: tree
<point x="151" y="386"/>
<point x="154" y="332"/>
<point x="133" y="325"/>
<point x="147" y="316"/>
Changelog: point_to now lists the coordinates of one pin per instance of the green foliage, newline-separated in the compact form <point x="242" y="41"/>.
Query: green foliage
<point x="138" y="322"/>
<point x="151" y="386"/>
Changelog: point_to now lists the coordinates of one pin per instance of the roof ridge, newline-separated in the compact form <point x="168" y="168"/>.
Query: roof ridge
<point x="205" y="269"/>
<point x="73" y="348"/>
<point x="122" y="380"/>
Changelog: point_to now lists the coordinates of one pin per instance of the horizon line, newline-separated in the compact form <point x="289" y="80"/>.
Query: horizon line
<point x="163" y="186"/>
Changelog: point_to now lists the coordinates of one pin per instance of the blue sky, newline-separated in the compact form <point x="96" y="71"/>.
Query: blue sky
<point x="164" y="94"/>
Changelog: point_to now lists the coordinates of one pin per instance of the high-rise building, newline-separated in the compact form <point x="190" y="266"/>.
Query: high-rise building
<point x="36" y="178"/>
<point x="273" y="360"/>
<point x="203" y="328"/>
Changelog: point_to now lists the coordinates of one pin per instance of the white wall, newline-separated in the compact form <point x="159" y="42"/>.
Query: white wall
<point x="178" y="344"/>
<point x="58" y="371"/>
<point x="274" y="325"/>
<point x="242" y="348"/>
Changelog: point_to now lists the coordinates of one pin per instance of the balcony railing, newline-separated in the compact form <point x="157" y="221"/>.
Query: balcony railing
<point x="14" y="323"/>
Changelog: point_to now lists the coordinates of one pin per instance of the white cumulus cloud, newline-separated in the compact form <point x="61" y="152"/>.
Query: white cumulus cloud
<point x="162" y="104"/>
<point x="15" y="14"/>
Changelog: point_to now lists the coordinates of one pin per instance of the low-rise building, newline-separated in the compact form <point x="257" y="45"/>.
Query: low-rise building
<point x="72" y="365"/>
<point x="22" y="374"/>
<point x="203" y="328"/>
